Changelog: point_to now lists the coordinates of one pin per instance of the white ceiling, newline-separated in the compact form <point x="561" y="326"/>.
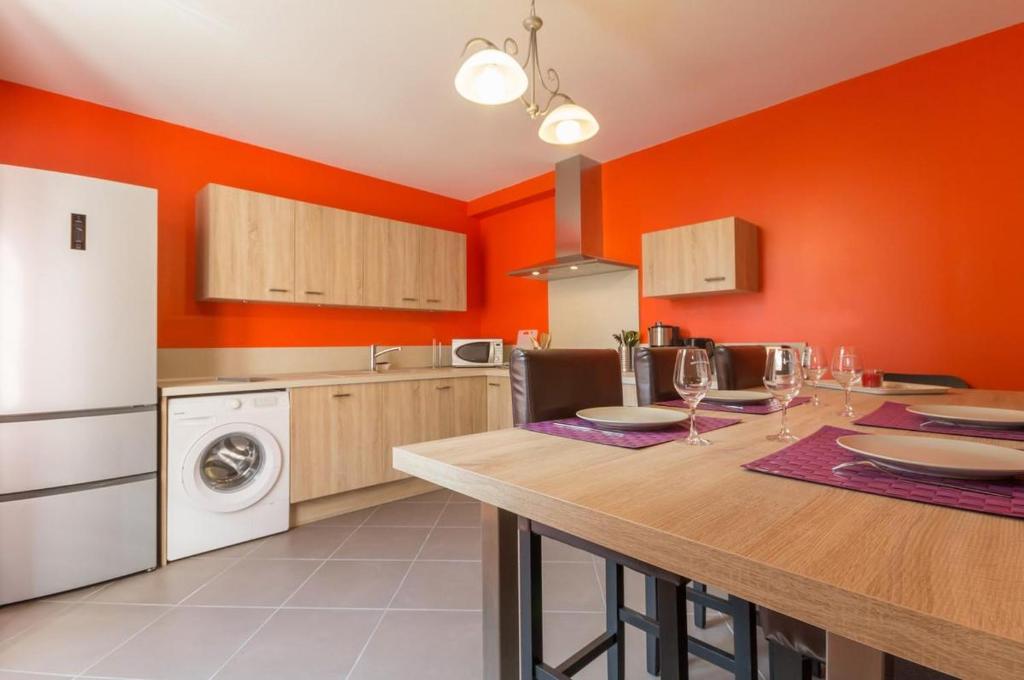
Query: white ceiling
<point x="367" y="85"/>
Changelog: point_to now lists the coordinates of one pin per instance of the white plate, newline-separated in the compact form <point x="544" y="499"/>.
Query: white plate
<point x="939" y="457"/>
<point x="737" y="396"/>
<point x="632" y="417"/>
<point x="888" y="387"/>
<point x="971" y="415"/>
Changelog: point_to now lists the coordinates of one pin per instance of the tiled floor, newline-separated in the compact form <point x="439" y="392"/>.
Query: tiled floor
<point x="381" y="594"/>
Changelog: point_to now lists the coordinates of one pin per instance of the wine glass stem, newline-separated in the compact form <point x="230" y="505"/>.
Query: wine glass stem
<point x="847" y="393"/>
<point x="815" y="399"/>
<point x="785" y="410"/>
<point x="693" y="422"/>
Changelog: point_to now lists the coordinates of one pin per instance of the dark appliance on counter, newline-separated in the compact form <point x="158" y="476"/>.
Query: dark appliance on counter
<point x="707" y="343"/>
<point x="660" y="335"/>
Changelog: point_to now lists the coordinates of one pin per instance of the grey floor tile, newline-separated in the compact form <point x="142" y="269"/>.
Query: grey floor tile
<point x="168" y="585"/>
<point x="425" y="646"/>
<point x="438" y="496"/>
<point x="460" y="515"/>
<point x="459" y="498"/>
<point x="78" y="594"/>
<point x="305" y="542"/>
<point x="15" y="675"/>
<point x="187" y="644"/>
<point x="259" y="583"/>
<point x="341" y="583"/>
<point x="75" y="639"/>
<point x="383" y="543"/>
<point x="452" y="544"/>
<point x="17" y="618"/>
<point x="441" y="585"/>
<point x="230" y="552"/>
<point x="303" y="643"/>
<point x="553" y="551"/>
<point x="348" y="519"/>
<point x="406" y="515"/>
<point x="570" y="587"/>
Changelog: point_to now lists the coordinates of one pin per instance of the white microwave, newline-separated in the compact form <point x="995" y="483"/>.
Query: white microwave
<point x="477" y="352"/>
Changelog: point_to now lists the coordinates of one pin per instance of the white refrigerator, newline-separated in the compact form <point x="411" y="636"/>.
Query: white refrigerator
<point x="78" y="415"/>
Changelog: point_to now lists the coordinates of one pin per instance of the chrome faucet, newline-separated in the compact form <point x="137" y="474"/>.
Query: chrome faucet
<point x="375" y="354"/>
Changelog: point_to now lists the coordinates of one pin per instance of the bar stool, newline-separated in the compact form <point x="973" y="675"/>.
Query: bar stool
<point x="550" y="384"/>
<point x="654" y="368"/>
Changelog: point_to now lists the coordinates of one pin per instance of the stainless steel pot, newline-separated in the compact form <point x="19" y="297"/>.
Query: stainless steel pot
<point x="660" y="335"/>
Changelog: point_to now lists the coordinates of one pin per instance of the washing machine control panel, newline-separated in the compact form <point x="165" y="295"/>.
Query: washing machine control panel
<point x="233" y="403"/>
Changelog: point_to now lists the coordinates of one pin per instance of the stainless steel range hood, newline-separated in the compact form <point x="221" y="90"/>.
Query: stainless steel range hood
<point x="579" y="233"/>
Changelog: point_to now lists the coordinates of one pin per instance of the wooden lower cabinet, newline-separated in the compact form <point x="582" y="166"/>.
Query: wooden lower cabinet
<point x="499" y="404"/>
<point x="341" y="436"/>
<point x="336" y="439"/>
<point x="423" y="410"/>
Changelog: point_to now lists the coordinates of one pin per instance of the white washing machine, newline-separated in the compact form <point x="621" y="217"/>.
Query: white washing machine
<point x="227" y="470"/>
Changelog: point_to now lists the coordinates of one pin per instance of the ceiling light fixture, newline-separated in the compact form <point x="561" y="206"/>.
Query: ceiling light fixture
<point x="493" y="76"/>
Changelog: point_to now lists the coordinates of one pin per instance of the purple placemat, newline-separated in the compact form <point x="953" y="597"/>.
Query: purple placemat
<point x="628" y="440"/>
<point x="895" y="415"/>
<point x="812" y="458"/>
<point x="762" y="409"/>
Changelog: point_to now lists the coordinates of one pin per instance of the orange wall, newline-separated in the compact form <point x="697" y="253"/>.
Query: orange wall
<point x="890" y="208"/>
<point x="44" y="130"/>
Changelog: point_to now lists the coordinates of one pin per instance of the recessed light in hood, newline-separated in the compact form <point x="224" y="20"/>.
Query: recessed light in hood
<point x="579" y="232"/>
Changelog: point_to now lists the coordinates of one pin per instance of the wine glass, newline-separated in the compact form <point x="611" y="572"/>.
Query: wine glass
<point x="783" y="376"/>
<point x="692" y="378"/>
<point x="814" y="363"/>
<point x="847" y="369"/>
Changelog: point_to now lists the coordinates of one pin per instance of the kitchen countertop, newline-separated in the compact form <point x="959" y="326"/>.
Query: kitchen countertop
<point x="198" y="386"/>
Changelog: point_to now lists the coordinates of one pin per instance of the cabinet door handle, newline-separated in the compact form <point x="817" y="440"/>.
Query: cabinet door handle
<point x="314" y="292"/>
<point x="405" y="299"/>
<point x="444" y="387"/>
<point x="433" y="300"/>
<point x="711" y="279"/>
<point x="494" y="384"/>
<point x="343" y="394"/>
<point x="278" y="290"/>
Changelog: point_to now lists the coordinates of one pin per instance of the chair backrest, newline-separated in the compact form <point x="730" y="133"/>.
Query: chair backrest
<point x="740" y="367"/>
<point x="555" y="383"/>
<point x="654" y="367"/>
<point x="928" y="379"/>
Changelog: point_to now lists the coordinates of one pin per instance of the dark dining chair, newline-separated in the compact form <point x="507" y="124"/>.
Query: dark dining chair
<point x="740" y="367"/>
<point x="550" y="384"/>
<point x="928" y="379"/>
<point x="654" y="367"/>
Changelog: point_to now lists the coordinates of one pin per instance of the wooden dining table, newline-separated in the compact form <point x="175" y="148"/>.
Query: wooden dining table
<point x="939" y="586"/>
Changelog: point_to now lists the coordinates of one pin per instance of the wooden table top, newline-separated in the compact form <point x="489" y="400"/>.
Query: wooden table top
<point x="939" y="586"/>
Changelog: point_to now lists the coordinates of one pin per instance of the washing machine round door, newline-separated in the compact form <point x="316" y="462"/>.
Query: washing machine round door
<point x="231" y="467"/>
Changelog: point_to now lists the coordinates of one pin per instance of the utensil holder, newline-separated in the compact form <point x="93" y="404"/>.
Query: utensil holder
<point x="626" y="358"/>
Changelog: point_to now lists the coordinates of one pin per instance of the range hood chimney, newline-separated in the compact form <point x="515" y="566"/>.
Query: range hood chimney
<point x="579" y="232"/>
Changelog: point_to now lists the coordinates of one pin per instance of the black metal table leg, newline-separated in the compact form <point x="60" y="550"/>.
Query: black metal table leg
<point x="788" y="664"/>
<point x="531" y="630"/>
<point x="672" y="623"/>
<point x="651" y="609"/>
<point x="615" y="599"/>
<point x="744" y="621"/>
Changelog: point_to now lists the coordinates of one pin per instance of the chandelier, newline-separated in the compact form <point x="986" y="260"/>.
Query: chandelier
<point x="492" y="76"/>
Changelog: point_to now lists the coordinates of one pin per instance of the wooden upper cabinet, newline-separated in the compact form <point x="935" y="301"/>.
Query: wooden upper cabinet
<point x="443" y="269"/>
<point x="246" y="243"/>
<point x="328" y="255"/>
<point x="253" y="246"/>
<point x="720" y="256"/>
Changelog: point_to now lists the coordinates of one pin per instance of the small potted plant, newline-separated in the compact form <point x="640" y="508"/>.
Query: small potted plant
<point x="628" y="340"/>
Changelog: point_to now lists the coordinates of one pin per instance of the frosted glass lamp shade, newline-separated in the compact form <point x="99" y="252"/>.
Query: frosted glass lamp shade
<point x="491" y="77"/>
<point x="568" y="124"/>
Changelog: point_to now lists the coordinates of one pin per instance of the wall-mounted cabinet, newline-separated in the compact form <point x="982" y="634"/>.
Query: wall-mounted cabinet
<point x="256" y="247"/>
<point x="720" y="256"/>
